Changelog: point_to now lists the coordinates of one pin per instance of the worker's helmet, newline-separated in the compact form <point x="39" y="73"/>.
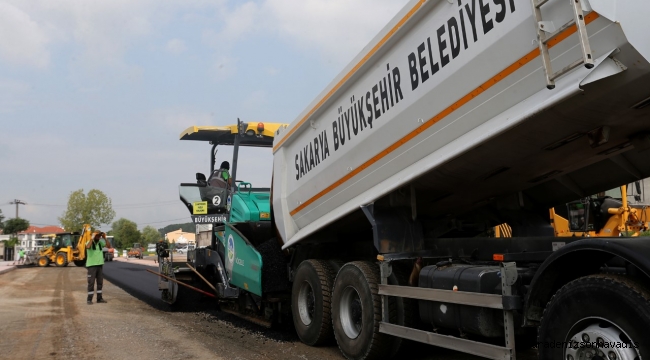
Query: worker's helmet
<point x="225" y="165"/>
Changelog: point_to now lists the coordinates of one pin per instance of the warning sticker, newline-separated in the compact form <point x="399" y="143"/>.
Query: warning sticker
<point x="200" y="207"/>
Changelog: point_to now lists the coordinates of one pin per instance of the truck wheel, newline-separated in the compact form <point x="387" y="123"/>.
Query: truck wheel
<point x="43" y="261"/>
<point x="80" y="263"/>
<point x="311" y="302"/>
<point x="599" y="309"/>
<point x="356" y="313"/>
<point x="61" y="260"/>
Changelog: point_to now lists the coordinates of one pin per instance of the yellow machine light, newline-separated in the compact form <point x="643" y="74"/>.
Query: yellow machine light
<point x="265" y="215"/>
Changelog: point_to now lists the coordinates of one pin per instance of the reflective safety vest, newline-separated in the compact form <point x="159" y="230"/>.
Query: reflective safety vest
<point x="95" y="255"/>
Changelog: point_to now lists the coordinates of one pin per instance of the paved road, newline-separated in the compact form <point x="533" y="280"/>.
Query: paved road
<point x="133" y="278"/>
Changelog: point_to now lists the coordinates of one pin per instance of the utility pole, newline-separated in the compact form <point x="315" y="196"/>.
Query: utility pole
<point x="17" y="202"/>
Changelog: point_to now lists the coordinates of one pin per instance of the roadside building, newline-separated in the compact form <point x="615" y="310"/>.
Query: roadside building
<point x="6" y="253"/>
<point x="33" y="239"/>
<point x="181" y="237"/>
<point x="203" y="235"/>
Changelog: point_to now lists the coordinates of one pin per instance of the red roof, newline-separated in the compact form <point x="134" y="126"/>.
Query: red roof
<point x="42" y="230"/>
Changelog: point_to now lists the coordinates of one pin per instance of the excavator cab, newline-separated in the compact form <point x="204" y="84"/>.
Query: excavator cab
<point x="617" y="212"/>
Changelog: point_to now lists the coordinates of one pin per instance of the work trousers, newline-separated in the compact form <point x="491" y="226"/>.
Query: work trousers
<point x="95" y="273"/>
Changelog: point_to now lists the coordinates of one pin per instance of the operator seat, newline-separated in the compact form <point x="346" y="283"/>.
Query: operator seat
<point x="216" y="180"/>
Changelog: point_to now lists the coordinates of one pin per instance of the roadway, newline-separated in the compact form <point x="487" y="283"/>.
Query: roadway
<point x="133" y="278"/>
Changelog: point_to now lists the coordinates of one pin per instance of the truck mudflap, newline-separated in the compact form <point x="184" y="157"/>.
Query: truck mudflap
<point x="243" y="262"/>
<point x="581" y="258"/>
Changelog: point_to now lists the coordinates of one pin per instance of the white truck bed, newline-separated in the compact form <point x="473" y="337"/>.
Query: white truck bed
<point x="477" y="125"/>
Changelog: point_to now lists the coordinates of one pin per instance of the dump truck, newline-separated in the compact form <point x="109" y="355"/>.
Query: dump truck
<point x="65" y="248"/>
<point x="457" y="117"/>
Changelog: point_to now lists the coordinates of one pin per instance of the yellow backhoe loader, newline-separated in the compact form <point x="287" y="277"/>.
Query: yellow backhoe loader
<point x="597" y="216"/>
<point x="601" y="215"/>
<point x="66" y="248"/>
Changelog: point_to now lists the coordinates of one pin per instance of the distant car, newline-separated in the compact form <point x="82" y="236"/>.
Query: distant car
<point x="181" y="250"/>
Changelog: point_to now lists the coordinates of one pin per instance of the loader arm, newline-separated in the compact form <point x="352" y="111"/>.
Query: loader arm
<point x="84" y="239"/>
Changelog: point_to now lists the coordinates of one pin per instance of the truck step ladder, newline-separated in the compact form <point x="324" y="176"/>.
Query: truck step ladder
<point x="546" y="32"/>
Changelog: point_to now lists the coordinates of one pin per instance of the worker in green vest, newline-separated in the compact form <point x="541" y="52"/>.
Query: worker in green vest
<point x="95" y="266"/>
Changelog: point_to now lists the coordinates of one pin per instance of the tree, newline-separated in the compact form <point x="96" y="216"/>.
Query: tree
<point x="126" y="233"/>
<point x="150" y="235"/>
<point x="14" y="226"/>
<point x="94" y="208"/>
<point x="2" y="218"/>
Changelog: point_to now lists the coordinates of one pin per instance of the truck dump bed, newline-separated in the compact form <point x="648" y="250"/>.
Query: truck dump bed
<point x="451" y="99"/>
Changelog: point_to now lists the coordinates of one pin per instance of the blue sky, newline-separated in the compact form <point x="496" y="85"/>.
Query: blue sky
<point x="93" y="94"/>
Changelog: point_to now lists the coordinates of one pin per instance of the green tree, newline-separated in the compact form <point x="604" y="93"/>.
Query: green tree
<point x="150" y="235"/>
<point x="2" y="218"/>
<point x="94" y="208"/>
<point x="126" y="233"/>
<point x="14" y="226"/>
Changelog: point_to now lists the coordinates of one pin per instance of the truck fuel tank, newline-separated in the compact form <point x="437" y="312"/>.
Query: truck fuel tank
<point x="468" y="278"/>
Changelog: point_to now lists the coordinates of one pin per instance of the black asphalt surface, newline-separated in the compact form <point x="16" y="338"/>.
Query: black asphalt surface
<point x="136" y="281"/>
<point x="143" y="285"/>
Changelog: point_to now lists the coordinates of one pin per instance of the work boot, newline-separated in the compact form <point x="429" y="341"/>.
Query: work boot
<point x="101" y="300"/>
<point x="90" y="300"/>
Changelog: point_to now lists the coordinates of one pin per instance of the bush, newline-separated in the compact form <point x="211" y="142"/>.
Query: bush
<point x="11" y="242"/>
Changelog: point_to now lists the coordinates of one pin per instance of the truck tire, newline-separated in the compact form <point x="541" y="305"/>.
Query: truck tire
<point x="593" y="309"/>
<point x="43" y="261"/>
<point x="356" y="313"/>
<point x="311" y="302"/>
<point x="80" y="263"/>
<point x="61" y="260"/>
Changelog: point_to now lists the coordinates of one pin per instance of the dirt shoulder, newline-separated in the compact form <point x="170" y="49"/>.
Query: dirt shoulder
<point x="44" y="315"/>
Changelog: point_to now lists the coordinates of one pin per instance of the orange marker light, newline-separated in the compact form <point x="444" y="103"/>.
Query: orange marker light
<point x="497" y="257"/>
<point x="260" y="127"/>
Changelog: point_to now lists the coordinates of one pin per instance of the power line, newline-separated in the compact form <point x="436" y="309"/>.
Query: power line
<point x="158" y="222"/>
<point x="122" y="206"/>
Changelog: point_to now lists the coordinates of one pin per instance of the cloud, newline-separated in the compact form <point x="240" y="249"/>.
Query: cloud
<point x="105" y="30"/>
<point x="22" y="40"/>
<point x="337" y="29"/>
<point x="175" y="46"/>
<point x="223" y="68"/>
<point x="272" y="71"/>
<point x="241" y="21"/>
<point x="12" y="95"/>
<point x="179" y="119"/>
<point x="255" y="100"/>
